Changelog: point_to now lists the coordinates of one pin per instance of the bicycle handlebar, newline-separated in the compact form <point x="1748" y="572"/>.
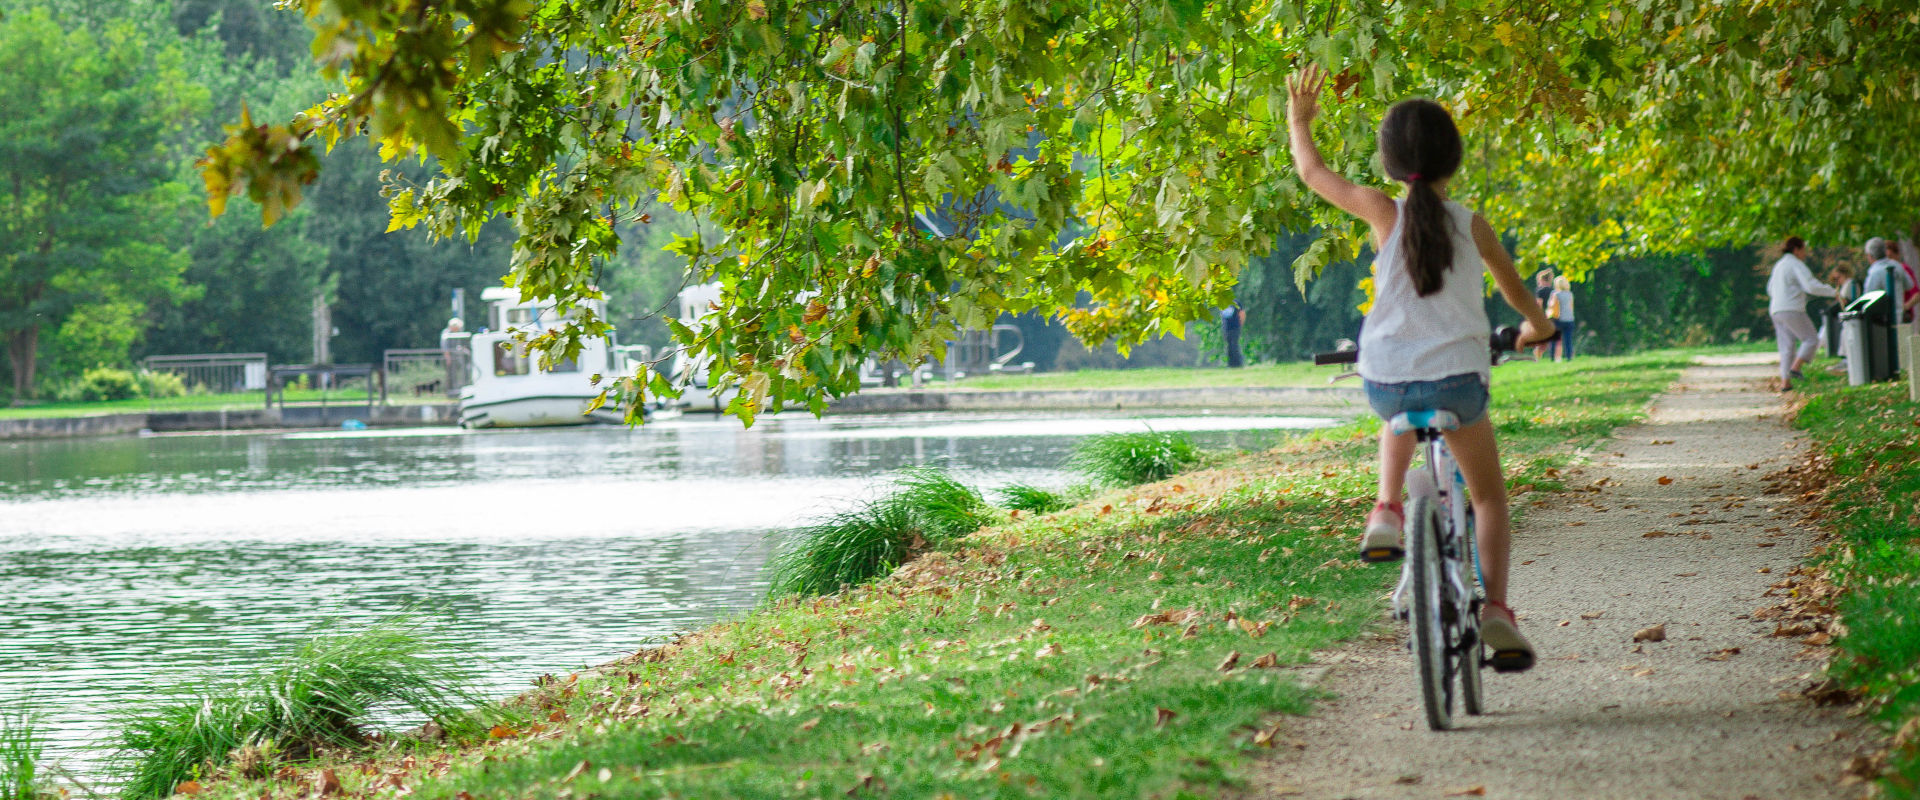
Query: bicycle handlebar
<point x="1505" y="339"/>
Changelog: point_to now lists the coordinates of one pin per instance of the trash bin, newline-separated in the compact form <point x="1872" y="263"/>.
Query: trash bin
<point x="1868" y="325"/>
<point x="1830" y="325"/>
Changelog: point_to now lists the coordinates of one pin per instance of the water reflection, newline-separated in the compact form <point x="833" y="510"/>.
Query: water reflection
<point x="128" y="564"/>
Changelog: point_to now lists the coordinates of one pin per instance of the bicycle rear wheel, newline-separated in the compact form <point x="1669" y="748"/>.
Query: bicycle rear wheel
<point x="1431" y="645"/>
<point x="1471" y="656"/>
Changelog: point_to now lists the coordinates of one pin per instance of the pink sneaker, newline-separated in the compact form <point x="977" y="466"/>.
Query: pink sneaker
<point x="1381" y="542"/>
<point x="1511" y="652"/>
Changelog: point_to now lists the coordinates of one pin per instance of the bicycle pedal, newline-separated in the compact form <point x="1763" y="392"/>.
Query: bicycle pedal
<point x="1382" y="555"/>
<point x="1510" y="661"/>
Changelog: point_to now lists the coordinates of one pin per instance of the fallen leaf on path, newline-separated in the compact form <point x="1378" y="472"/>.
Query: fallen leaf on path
<point x="1655" y="633"/>
<point x="1643" y="673"/>
<point x="1796" y="629"/>
<point x="1662" y="441"/>
<point x="1665" y="481"/>
<point x="1052" y="649"/>
<point x="1592" y="615"/>
<point x="1765" y="544"/>
<point x="1818" y="639"/>
<point x="1764" y="570"/>
<point x="809" y="724"/>
<point x="1407" y="780"/>
<point x="1179" y="617"/>
<point x="1654" y="534"/>
<point x="326" y="782"/>
<point x="1227" y="664"/>
<point x="188" y="788"/>
<point x="1724" y="653"/>
<point x="1685" y="574"/>
<point x="502" y="732"/>
<point x="1162" y="716"/>
<point x="578" y="770"/>
<point x="1267" y="661"/>
<point x="1253" y="629"/>
<point x="1471" y="791"/>
<point x="1564" y="623"/>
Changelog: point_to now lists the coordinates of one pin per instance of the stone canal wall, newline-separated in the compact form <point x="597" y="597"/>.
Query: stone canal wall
<point x="1322" y="401"/>
<point x="228" y="420"/>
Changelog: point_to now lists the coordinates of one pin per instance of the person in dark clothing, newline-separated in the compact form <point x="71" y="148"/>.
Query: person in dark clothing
<point x="1230" y="320"/>
<point x="1542" y="291"/>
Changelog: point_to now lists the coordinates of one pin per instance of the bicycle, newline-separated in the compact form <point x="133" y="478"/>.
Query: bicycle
<point x="1441" y="570"/>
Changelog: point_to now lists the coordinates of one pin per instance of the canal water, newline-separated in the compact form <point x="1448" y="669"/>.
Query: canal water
<point x="128" y="565"/>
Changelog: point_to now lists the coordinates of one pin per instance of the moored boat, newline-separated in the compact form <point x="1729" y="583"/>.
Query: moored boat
<point x="509" y="389"/>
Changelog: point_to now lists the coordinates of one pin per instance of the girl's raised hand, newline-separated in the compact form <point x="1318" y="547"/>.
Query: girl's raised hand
<point x="1303" y="94"/>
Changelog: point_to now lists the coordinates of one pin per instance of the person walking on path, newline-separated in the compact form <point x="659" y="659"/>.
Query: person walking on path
<point x="1424" y="345"/>
<point x="1560" y="308"/>
<point x="1787" y="291"/>
<point x="1230" y="321"/>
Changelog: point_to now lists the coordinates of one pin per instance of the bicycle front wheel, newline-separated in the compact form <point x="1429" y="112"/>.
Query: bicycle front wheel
<point x="1427" y="626"/>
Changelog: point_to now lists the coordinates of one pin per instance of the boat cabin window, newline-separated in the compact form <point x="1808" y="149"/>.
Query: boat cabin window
<point x="566" y="365"/>
<point x="510" y="359"/>
<point x="519" y="316"/>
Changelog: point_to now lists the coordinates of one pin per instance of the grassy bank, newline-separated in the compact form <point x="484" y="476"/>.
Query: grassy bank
<point x="1257" y="375"/>
<point x="1871" y="437"/>
<point x="1136" y="645"/>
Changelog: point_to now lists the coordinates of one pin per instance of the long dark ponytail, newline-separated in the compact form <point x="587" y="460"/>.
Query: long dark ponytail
<point x="1420" y="146"/>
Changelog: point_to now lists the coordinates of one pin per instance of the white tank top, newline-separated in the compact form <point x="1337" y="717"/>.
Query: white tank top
<point x="1412" y="338"/>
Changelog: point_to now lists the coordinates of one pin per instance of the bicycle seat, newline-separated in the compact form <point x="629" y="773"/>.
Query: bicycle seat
<point x="1423" y="420"/>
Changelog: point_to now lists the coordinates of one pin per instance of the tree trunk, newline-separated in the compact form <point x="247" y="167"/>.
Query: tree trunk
<point x="22" y="346"/>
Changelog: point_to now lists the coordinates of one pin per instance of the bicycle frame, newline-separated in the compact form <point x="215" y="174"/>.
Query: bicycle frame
<point x="1457" y="537"/>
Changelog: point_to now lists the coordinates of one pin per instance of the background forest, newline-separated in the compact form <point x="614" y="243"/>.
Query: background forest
<point x="106" y="255"/>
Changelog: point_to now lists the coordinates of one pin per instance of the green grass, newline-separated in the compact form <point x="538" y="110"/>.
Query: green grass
<point x="926" y="508"/>
<point x="1870" y="435"/>
<point x="1257" y="375"/>
<point x="1032" y="499"/>
<point x="1125" y="459"/>
<point x="945" y="508"/>
<point x="20" y="750"/>
<point x="1077" y="654"/>
<point x="322" y="696"/>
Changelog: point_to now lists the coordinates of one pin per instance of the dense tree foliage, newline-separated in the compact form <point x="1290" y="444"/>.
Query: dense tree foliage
<point x="191" y="287"/>
<point x="822" y="137"/>
<point x="87" y="196"/>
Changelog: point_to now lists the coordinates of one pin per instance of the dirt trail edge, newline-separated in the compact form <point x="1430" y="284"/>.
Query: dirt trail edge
<point x="1679" y="534"/>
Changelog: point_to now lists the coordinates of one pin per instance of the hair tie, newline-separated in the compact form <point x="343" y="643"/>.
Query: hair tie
<point x="1413" y="176"/>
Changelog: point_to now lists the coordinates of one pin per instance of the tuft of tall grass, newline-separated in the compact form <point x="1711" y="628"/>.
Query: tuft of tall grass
<point x="1126" y="459"/>
<point x="1032" y="499"/>
<point x="20" y="749"/>
<point x="322" y="695"/>
<point x="926" y="507"/>
<point x="943" y="507"/>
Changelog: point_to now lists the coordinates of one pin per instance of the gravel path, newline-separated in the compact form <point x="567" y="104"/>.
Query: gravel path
<point x="1600" y="716"/>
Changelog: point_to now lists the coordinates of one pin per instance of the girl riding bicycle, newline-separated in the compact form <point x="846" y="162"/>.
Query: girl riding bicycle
<point x="1424" y="345"/>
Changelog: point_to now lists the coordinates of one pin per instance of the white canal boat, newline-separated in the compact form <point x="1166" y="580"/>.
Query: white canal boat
<point x="509" y="389"/>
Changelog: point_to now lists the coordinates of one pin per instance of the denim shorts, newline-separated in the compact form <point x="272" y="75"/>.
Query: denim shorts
<point x="1465" y="395"/>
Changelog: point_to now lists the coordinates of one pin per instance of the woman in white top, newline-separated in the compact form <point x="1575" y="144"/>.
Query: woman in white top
<point x="1425" y="342"/>
<point x="1561" y="310"/>
<point x="1787" y="291"/>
